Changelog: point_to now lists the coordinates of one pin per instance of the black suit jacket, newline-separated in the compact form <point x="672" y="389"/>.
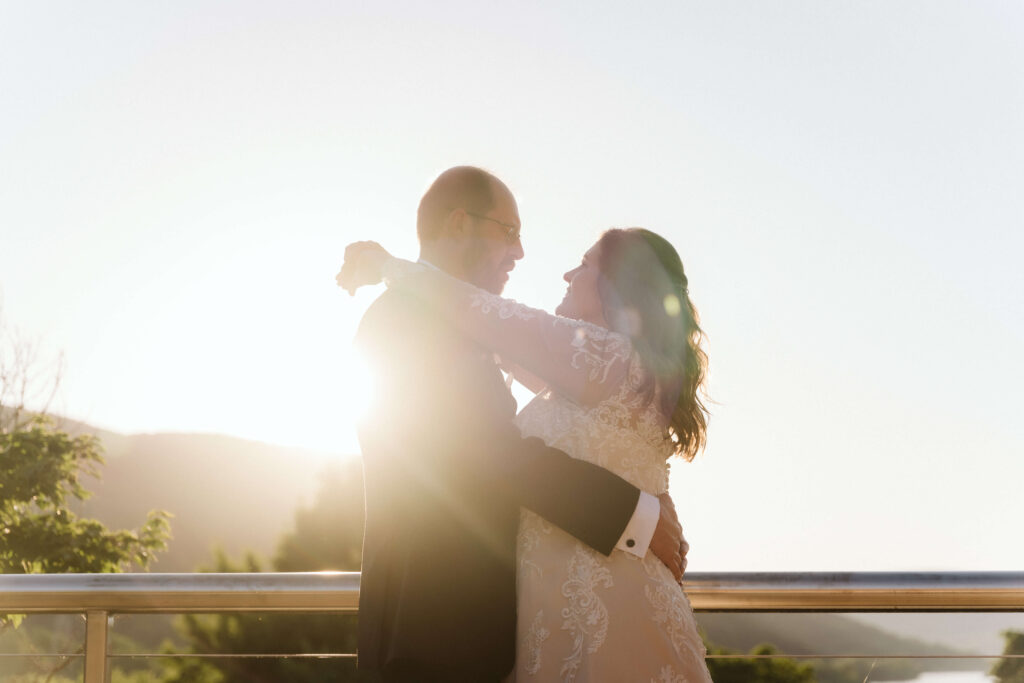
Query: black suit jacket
<point x="446" y="472"/>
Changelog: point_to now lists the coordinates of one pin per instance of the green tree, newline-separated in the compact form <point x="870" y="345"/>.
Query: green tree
<point x="1008" y="669"/>
<point x="41" y="467"/>
<point x="40" y="470"/>
<point x="326" y="536"/>
<point x="758" y="669"/>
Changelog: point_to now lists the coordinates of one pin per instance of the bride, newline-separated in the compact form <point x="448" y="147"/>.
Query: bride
<point x="618" y="373"/>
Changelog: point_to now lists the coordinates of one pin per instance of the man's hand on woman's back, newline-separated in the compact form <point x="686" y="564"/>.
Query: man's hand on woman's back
<point x="668" y="544"/>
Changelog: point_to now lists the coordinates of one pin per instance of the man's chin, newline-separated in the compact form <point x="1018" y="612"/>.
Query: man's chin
<point x="492" y="280"/>
<point x="494" y="284"/>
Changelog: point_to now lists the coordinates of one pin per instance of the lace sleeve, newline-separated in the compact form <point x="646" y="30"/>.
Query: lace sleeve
<point x="580" y="360"/>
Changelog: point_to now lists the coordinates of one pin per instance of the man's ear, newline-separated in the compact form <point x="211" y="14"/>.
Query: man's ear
<point x="455" y="224"/>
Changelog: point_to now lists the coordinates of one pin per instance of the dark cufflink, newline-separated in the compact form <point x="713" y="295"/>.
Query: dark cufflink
<point x="630" y="543"/>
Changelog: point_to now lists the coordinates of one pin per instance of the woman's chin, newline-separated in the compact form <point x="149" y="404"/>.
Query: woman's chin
<point x="568" y="312"/>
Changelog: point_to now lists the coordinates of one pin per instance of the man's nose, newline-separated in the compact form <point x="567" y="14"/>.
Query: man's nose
<point x="517" y="250"/>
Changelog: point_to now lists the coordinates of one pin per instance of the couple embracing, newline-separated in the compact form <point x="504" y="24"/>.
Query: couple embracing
<point x="540" y="546"/>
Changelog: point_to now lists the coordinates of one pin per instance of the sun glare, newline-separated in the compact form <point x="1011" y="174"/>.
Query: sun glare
<point x="332" y="410"/>
<point x="356" y="386"/>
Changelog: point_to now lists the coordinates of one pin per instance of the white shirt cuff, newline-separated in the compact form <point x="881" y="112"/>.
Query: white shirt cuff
<point x="640" y="530"/>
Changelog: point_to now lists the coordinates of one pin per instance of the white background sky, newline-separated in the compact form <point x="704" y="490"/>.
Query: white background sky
<point x="842" y="179"/>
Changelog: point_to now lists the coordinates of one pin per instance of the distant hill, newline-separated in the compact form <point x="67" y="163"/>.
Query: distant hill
<point x="114" y="444"/>
<point x="810" y="633"/>
<point x="977" y="633"/>
<point x="241" y="495"/>
<point x="830" y="634"/>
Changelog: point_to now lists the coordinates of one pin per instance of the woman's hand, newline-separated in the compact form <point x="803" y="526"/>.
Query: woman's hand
<point x="364" y="263"/>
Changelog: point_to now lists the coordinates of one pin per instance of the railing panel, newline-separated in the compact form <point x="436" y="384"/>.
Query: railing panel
<point x="850" y="647"/>
<point x="258" y="633"/>
<point x="278" y="610"/>
<point x="41" y="645"/>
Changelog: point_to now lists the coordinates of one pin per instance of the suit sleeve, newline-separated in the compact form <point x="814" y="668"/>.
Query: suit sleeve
<point x="442" y="409"/>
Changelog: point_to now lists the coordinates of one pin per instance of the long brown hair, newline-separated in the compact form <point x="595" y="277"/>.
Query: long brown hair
<point x="645" y="294"/>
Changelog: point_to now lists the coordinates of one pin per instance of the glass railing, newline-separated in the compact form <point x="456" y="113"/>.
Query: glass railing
<point x="137" y="627"/>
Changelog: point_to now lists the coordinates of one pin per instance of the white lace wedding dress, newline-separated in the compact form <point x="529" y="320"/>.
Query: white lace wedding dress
<point x="582" y="617"/>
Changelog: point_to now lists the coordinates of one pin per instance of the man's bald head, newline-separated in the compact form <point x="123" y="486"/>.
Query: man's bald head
<point x="468" y="225"/>
<point x="462" y="187"/>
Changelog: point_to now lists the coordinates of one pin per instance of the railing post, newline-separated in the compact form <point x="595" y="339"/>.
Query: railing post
<point x="96" y="646"/>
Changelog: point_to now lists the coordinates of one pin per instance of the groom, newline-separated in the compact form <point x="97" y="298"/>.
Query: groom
<point x="446" y="470"/>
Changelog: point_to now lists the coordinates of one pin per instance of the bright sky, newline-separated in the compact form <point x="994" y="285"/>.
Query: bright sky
<point x="842" y="179"/>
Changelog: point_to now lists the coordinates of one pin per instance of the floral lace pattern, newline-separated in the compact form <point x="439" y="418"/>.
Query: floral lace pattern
<point x="623" y="618"/>
<point x="531" y="645"/>
<point x="668" y="675"/>
<point x="669" y="610"/>
<point x="505" y="308"/>
<point x="596" y="349"/>
<point x="585" y="617"/>
<point x="531" y="528"/>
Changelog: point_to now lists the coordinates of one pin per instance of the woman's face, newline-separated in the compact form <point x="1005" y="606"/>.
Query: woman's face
<point x="582" y="300"/>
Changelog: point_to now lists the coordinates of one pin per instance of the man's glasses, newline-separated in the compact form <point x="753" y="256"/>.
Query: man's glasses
<point x="511" y="231"/>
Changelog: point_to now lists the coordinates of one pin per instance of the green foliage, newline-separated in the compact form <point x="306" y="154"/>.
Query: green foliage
<point x="759" y="670"/>
<point x="1009" y="670"/>
<point x="40" y="470"/>
<point x="327" y="535"/>
<point x="782" y="669"/>
<point x="37" y="639"/>
<point x="36" y="677"/>
<point x="41" y="467"/>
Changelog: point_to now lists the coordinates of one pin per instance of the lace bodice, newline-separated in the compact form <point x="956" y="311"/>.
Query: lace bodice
<point x="621" y="433"/>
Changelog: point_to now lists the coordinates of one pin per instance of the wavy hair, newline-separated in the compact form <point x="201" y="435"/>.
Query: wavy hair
<point x="645" y="294"/>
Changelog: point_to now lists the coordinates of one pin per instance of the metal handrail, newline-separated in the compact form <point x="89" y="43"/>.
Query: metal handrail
<point x="174" y="593"/>
<point x="339" y="592"/>
<point x="856" y="591"/>
<point x="101" y="595"/>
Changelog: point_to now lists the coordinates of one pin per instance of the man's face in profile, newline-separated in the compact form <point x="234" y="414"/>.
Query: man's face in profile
<point x="494" y="245"/>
